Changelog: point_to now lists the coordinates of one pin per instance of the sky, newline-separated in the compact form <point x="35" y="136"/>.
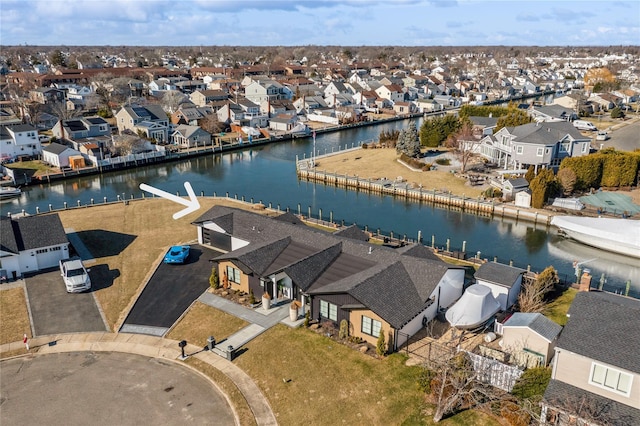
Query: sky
<point x="320" y="22"/>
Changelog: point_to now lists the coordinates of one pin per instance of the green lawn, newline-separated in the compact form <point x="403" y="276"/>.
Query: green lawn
<point x="39" y="167"/>
<point x="311" y="379"/>
<point x="558" y="308"/>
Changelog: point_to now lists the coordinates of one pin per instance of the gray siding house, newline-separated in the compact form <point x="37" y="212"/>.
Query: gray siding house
<point x="596" y="371"/>
<point x="535" y="144"/>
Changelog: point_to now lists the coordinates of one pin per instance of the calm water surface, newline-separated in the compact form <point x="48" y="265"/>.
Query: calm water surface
<point x="268" y="174"/>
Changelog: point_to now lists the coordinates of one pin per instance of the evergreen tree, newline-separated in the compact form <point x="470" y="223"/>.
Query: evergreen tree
<point x="409" y="142"/>
<point x="381" y="346"/>
<point x="542" y="187"/>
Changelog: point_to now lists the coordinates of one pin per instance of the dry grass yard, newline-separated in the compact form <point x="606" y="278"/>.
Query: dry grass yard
<point x="203" y="321"/>
<point x="128" y="241"/>
<point x="382" y="163"/>
<point x="14" y="318"/>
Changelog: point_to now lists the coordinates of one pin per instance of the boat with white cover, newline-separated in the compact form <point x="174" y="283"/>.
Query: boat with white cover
<point x="616" y="235"/>
<point x="9" y="192"/>
<point x="476" y="306"/>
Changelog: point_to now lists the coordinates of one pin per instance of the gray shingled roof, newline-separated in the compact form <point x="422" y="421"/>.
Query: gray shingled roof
<point x="570" y="398"/>
<point x="352" y="232"/>
<point x="31" y="232"/>
<point x="498" y="273"/>
<point x="305" y="272"/>
<point x="56" y="148"/>
<point x="339" y="265"/>
<point x="604" y="327"/>
<point x="547" y="133"/>
<point x="536" y="322"/>
<point x="257" y="258"/>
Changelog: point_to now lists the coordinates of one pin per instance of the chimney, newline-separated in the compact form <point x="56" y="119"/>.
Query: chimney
<point x="585" y="281"/>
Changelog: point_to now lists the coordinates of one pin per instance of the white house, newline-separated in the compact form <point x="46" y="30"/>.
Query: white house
<point x="17" y="140"/>
<point x="31" y="243"/>
<point x="504" y="281"/>
<point x="58" y="155"/>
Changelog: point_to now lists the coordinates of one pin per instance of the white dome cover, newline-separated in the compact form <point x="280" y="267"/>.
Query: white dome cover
<point x="476" y="306"/>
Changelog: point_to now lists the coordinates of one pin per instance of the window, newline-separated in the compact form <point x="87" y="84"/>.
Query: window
<point x="539" y="152"/>
<point x="40" y="251"/>
<point x="328" y="310"/>
<point x="519" y="150"/>
<point x="585" y="147"/>
<point x="371" y="326"/>
<point x="610" y="379"/>
<point x="233" y="274"/>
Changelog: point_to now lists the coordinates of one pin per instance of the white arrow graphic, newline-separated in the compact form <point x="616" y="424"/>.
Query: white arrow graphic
<point x="192" y="203"/>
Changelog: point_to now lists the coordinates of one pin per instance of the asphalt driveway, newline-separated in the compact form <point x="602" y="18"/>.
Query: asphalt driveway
<point x="54" y="311"/>
<point x="169" y="292"/>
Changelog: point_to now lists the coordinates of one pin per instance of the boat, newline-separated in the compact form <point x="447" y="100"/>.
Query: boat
<point x="620" y="236"/>
<point x="475" y="308"/>
<point x="9" y="192"/>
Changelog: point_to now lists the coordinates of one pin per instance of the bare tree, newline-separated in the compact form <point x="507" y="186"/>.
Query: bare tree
<point x="456" y="385"/>
<point x="464" y="144"/>
<point x="532" y="295"/>
<point x="172" y="99"/>
<point x="211" y="124"/>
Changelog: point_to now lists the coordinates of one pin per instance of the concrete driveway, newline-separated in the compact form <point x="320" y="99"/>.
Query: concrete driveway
<point x="169" y="292"/>
<point x="83" y="388"/>
<point x="54" y="311"/>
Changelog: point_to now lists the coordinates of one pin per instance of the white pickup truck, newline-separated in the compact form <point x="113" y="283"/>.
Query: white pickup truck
<point x="75" y="275"/>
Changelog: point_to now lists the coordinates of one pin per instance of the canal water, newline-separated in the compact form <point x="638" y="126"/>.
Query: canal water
<point x="267" y="174"/>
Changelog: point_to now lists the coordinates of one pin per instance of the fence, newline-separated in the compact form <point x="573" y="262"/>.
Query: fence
<point x="494" y="372"/>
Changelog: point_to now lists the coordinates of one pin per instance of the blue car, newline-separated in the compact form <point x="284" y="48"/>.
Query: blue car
<point x="177" y="254"/>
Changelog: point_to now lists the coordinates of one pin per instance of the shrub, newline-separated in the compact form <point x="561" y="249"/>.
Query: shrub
<point x="381" y="345"/>
<point x="214" y="280"/>
<point x="492" y="192"/>
<point x="567" y="179"/>
<point x="617" y="113"/>
<point x="252" y="297"/>
<point x="307" y="318"/>
<point x="542" y="187"/>
<point x="443" y="161"/>
<point x="424" y="380"/>
<point x="344" y="329"/>
<point x="533" y="382"/>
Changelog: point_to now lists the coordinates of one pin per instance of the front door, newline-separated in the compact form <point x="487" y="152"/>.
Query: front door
<point x="284" y="292"/>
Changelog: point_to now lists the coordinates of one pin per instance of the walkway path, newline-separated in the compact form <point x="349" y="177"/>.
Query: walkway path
<point x="260" y="320"/>
<point x="153" y="347"/>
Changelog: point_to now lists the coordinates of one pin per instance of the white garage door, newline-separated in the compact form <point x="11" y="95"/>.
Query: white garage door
<point x="49" y="257"/>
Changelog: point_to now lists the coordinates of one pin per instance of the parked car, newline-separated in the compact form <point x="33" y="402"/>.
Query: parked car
<point x="177" y="254"/>
<point x="584" y="125"/>
<point x="75" y="275"/>
<point x="602" y="136"/>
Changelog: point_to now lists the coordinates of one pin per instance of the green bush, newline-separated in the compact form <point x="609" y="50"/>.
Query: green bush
<point x="492" y="192"/>
<point x="307" y="318"/>
<point x="435" y="131"/>
<point x="381" y="345"/>
<point x="214" y="280"/>
<point x="542" y="186"/>
<point x="344" y="329"/>
<point x="533" y="382"/>
<point x="424" y="380"/>
<point x="443" y="161"/>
